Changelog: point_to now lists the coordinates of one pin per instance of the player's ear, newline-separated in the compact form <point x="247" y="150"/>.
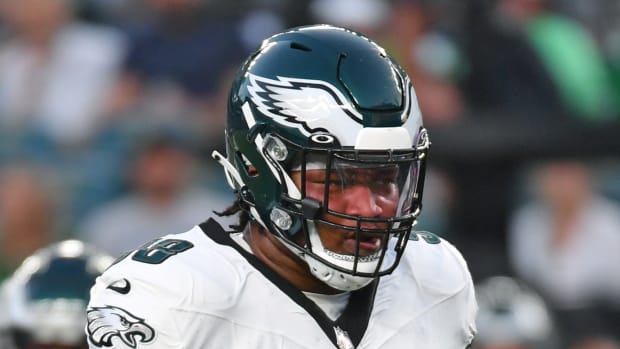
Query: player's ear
<point x="252" y="171"/>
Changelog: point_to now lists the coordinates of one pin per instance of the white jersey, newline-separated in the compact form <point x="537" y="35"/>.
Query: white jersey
<point x="200" y="289"/>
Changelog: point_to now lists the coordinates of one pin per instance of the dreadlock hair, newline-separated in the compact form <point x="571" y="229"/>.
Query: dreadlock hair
<point x="237" y="207"/>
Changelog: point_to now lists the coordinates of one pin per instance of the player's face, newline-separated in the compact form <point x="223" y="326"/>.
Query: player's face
<point x="368" y="192"/>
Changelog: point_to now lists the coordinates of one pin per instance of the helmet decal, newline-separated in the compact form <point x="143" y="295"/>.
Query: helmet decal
<point x="306" y="104"/>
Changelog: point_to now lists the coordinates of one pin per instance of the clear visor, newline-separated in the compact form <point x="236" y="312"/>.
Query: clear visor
<point x="362" y="190"/>
<point x="367" y="204"/>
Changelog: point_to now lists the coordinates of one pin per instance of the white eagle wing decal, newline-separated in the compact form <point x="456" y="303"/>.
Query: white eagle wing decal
<point x="304" y="103"/>
<point x="308" y="105"/>
<point x="106" y="323"/>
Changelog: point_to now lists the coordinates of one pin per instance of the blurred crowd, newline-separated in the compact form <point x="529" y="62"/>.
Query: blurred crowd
<point x="109" y="110"/>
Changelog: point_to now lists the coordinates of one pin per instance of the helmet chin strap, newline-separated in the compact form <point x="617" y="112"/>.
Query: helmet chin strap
<point x="330" y="276"/>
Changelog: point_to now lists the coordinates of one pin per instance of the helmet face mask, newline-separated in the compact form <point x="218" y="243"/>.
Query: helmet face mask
<point x="360" y="201"/>
<point x="321" y="119"/>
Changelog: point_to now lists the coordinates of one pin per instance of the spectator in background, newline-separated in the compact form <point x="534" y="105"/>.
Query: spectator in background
<point x="369" y="15"/>
<point x="597" y="343"/>
<point x="176" y="75"/>
<point x="182" y="45"/>
<point x="26" y="216"/>
<point x="55" y="73"/>
<point x="413" y="33"/>
<point x="163" y="198"/>
<point x="179" y="57"/>
<point x="532" y="61"/>
<point x="566" y="243"/>
<point x="527" y="65"/>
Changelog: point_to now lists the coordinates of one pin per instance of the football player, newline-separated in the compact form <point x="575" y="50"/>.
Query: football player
<point x="326" y="153"/>
<point x="43" y="303"/>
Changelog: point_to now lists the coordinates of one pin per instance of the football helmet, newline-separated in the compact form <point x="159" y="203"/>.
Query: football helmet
<point x="510" y="314"/>
<point x="44" y="301"/>
<point x="314" y="112"/>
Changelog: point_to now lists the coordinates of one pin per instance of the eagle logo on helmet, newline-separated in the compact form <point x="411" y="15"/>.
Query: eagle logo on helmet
<point x="109" y="322"/>
<point x="311" y="104"/>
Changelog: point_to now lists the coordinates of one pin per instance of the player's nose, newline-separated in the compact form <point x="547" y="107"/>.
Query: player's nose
<point x="361" y="201"/>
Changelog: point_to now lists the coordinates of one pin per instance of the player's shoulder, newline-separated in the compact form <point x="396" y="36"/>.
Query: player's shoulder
<point x="175" y="268"/>
<point x="435" y="263"/>
<point x="431" y="286"/>
<point x="163" y="286"/>
<point x="168" y="252"/>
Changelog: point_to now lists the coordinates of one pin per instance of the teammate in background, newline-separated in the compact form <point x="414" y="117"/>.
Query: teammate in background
<point x="44" y="301"/>
<point x="326" y="154"/>
<point x="512" y="316"/>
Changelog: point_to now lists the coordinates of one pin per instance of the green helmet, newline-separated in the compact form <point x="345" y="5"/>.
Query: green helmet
<point x="44" y="301"/>
<point x="329" y="99"/>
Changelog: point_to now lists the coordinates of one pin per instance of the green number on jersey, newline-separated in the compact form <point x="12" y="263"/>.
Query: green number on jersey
<point x="159" y="252"/>
<point x="425" y="235"/>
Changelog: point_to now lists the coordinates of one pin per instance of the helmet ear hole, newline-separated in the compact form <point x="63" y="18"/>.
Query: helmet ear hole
<point x="248" y="167"/>
<point x="252" y="171"/>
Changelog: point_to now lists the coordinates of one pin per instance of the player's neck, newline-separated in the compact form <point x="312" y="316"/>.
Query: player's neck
<point x="283" y="261"/>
